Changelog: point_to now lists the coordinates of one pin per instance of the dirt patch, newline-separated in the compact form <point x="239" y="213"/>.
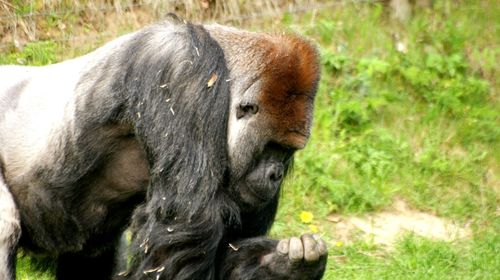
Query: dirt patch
<point x="384" y="228"/>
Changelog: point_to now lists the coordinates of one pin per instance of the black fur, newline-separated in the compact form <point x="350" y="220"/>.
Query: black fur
<point x="186" y="208"/>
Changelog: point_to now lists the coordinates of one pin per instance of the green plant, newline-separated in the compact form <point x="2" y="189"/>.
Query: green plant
<point x="35" y="53"/>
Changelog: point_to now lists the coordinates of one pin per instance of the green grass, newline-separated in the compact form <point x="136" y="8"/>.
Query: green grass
<point x="35" y="53"/>
<point x="419" y="258"/>
<point x="422" y="125"/>
<point x="33" y="269"/>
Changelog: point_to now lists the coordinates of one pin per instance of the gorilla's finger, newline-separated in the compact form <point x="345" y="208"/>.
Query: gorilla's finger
<point x="296" y="250"/>
<point x="311" y="253"/>
<point x="322" y="249"/>
<point x="282" y="247"/>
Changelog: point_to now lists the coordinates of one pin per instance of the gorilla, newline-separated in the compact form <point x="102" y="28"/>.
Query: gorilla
<point x="182" y="132"/>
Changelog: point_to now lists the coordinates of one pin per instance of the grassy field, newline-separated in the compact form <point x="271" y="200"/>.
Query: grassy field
<point x="406" y="112"/>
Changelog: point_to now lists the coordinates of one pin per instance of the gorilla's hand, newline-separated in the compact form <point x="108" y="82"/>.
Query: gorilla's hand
<point x="295" y="258"/>
<point x="298" y="258"/>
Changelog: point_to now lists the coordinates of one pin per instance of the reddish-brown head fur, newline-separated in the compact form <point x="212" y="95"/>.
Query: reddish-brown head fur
<point x="290" y="80"/>
<point x="279" y="75"/>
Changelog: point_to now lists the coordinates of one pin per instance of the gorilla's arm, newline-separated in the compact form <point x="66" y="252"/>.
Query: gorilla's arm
<point x="179" y="119"/>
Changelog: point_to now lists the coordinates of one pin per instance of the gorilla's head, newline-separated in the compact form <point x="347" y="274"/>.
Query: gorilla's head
<point x="271" y="109"/>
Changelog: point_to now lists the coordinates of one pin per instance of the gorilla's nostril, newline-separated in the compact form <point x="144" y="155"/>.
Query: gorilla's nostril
<point x="276" y="177"/>
<point x="276" y="173"/>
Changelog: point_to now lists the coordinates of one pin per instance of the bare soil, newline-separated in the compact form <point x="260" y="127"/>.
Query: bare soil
<point x="384" y="228"/>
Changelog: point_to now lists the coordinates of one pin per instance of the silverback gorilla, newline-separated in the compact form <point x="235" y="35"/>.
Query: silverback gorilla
<point x="183" y="132"/>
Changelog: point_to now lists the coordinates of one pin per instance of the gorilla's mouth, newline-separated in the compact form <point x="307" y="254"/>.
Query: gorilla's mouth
<point x="257" y="195"/>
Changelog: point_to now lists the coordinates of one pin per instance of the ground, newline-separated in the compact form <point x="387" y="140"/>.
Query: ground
<point x="386" y="227"/>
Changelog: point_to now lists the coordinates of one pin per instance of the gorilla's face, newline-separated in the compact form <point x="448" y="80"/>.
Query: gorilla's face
<point x="267" y="125"/>
<point x="273" y="84"/>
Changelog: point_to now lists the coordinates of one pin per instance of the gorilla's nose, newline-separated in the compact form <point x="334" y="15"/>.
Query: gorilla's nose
<point x="275" y="172"/>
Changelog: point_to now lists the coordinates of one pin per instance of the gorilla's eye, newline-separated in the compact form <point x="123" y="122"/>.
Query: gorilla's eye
<point x="245" y="109"/>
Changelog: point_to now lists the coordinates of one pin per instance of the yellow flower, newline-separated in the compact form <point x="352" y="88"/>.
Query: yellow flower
<point x="313" y="228"/>
<point x="339" y="243"/>
<point x="306" y="217"/>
